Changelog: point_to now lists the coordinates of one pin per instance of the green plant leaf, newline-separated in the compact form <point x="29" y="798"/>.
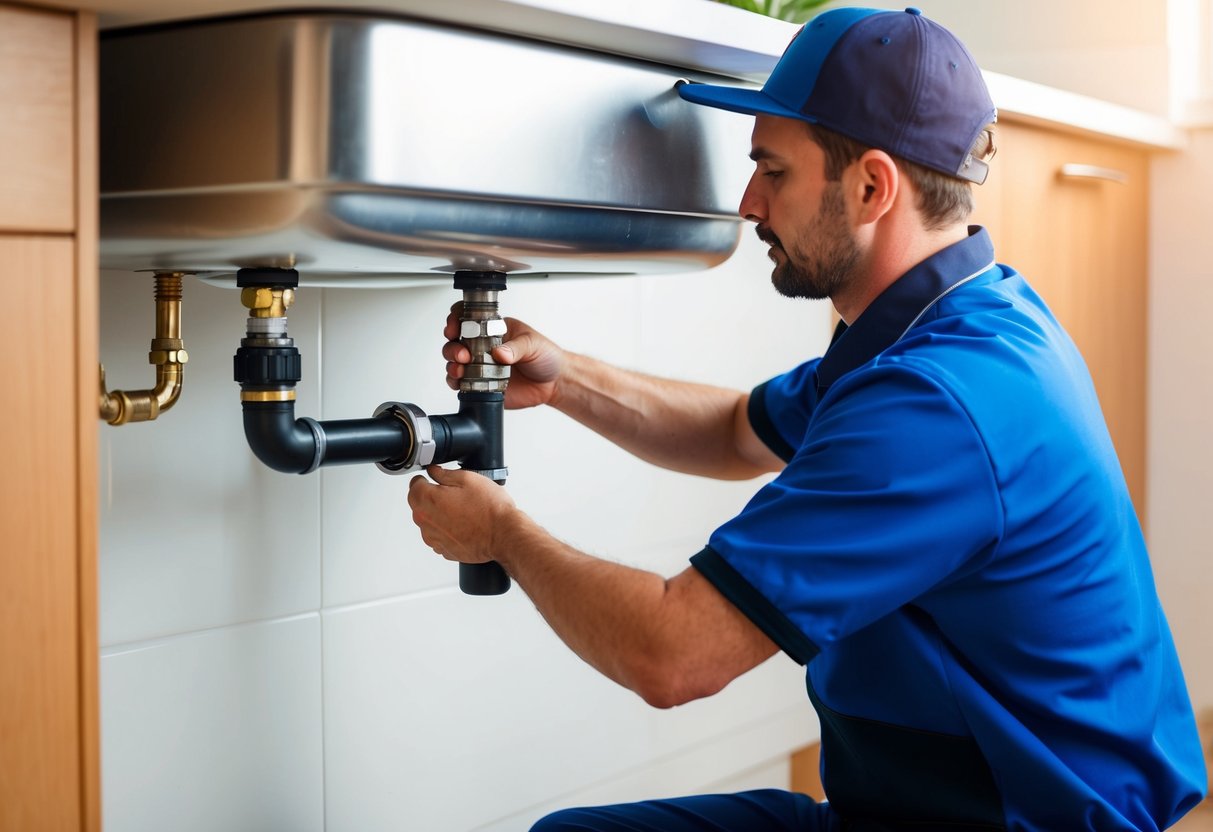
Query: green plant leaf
<point x="793" y="11"/>
<point x="748" y="5"/>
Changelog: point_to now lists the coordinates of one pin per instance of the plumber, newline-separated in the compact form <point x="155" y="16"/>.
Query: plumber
<point x="949" y="547"/>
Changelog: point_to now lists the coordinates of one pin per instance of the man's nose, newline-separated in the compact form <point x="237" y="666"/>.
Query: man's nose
<point x="752" y="207"/>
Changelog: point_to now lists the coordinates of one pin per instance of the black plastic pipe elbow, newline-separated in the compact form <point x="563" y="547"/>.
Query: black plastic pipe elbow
<point x="278" y="439"/>
<point x="300" y="446"/>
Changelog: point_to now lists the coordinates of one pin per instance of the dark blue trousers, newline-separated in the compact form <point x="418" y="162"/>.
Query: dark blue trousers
<point x="765" y="810"/>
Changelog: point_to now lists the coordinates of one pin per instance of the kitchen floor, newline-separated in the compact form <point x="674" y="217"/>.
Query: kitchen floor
<point x="1199" y="819"/>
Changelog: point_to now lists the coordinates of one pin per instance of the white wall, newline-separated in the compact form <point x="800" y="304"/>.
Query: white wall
<point x="282" y="652"/>
<point x="1180" y="482"/>
<point x="1116" y="51"/>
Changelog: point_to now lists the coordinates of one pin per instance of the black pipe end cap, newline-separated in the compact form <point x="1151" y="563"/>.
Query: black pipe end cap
<point x="483" y="579"/>
<point x="485" y="281"/>
<point x="268" y="277"/>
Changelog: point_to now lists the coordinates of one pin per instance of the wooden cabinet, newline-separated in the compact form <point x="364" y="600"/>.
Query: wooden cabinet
<point x="49" y="760"/>
<point x="1070" y="214"/>
<point x="38" y="127"/>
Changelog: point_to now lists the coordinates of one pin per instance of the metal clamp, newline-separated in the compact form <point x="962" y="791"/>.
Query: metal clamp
<point x="422" y="447"/>
<point x="495" y="474"/>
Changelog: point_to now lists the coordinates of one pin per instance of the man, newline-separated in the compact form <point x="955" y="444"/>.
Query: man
<point x="949" y="546"/>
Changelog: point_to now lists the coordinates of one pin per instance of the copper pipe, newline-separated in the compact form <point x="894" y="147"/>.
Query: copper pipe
<point x="167" y="353"/>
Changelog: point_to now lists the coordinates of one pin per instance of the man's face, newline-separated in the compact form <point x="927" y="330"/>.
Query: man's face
<point x="800" y="214"/>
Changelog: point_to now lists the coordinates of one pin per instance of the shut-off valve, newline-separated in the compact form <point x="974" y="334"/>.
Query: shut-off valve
<point x="399" y="437"/>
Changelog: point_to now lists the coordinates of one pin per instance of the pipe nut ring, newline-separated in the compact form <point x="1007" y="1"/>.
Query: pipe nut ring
<point x="321" y="443"/>
<point x="422" y="449"/>
<point x="495" y="474"/>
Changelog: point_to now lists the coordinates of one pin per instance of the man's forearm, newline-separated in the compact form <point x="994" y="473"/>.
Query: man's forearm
<point x="670" y="641"/>
<point x="599" y="609"/>
<point x="692" y="428"/>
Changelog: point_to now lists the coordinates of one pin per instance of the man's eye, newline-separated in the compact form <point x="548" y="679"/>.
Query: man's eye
<point x="773" y="173"/>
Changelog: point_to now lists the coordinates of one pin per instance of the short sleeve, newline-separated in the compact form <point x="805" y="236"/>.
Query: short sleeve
<point x="890" y="494"/>
<point x="780" y="409"/>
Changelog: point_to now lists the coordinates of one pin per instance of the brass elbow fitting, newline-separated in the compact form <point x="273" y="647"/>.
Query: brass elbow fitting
<point x="167" y="354"/>
<point x="267" y="301"/>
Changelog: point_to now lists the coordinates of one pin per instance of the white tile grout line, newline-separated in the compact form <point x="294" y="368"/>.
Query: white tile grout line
<point x="123" y="648"/>
<point x="387" y="600"/>
<point x="324" y="777"/>
<point x="119" y="648"/>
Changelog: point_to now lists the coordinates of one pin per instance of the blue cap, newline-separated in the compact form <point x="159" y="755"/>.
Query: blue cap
<point x="896" y="81"/>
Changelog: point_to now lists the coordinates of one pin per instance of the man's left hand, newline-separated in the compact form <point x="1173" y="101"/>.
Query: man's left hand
<point x="460" y="513"/>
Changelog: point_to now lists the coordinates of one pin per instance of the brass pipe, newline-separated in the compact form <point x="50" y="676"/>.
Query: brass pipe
<point x="168" y="355"/>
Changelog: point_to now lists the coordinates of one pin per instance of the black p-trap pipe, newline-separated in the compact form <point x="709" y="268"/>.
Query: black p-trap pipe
<point x="399" y="437"/>
<point x="300" y="446"/>
<point x="487" y="410"/>
<point x="471" y="437"/>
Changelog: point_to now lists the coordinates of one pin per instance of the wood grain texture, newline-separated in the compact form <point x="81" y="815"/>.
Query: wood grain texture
<point x="87" y="338"/>
<point x="806" y="772"/>
<point x="49" y="715"/>
<point x="1083" y="245"/>
<point x="37" y="129"/>
<point x="40" y="766"/>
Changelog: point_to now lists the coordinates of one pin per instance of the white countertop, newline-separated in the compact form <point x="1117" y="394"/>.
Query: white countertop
<point x="694" y="34"/>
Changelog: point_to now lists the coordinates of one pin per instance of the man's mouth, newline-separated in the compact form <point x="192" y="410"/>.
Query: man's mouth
<point x="768" y="236"/>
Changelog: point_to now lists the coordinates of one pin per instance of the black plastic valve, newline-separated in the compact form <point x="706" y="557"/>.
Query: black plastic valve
<point x="267" y="366"/>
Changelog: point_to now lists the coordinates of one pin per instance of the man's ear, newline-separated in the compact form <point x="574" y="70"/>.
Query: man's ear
<point x="872" y="182"/>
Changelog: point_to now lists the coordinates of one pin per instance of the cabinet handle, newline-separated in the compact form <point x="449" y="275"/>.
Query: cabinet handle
<point x="1076" y="171"/>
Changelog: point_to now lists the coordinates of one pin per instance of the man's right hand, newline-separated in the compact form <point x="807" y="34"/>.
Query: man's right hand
<point x="536" y="362"/>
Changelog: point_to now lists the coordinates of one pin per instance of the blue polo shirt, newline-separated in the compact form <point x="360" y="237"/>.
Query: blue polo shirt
<point x="952" y="551"/>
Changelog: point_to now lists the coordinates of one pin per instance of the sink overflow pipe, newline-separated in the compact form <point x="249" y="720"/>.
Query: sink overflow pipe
<point x="399" y="437"/>
<point x="118" y="407"/>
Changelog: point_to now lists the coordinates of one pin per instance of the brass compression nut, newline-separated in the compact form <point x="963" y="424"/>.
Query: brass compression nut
<point x="267" y="301"/>
<point x="168" y="357"/>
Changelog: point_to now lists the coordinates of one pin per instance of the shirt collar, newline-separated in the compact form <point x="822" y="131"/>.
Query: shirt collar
<point x="899" y="307"/>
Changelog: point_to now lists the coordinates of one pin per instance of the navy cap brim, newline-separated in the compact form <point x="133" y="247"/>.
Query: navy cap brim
<point x="737" y="100"/>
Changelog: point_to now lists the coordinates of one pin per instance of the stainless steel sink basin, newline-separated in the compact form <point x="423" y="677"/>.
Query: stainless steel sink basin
<point x="367" y="148"/>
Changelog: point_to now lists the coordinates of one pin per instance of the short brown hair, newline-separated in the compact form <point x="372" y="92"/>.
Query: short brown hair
<point x="942" y="199"/>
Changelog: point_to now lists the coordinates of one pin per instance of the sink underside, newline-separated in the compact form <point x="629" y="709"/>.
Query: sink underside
<point x="370" y="149"/>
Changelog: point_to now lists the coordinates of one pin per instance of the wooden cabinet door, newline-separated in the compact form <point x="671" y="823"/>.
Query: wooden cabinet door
<point x="49" y="756"/>
<point x="37" y="122"/>
<point x="40" y="719"/>
<point x="1080" y="238"/>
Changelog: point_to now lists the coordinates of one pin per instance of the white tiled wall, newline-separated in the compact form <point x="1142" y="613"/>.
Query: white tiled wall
<point x="282" y="652"/>
<point x="215" y="730"/>
<point x="195" y="532"/>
